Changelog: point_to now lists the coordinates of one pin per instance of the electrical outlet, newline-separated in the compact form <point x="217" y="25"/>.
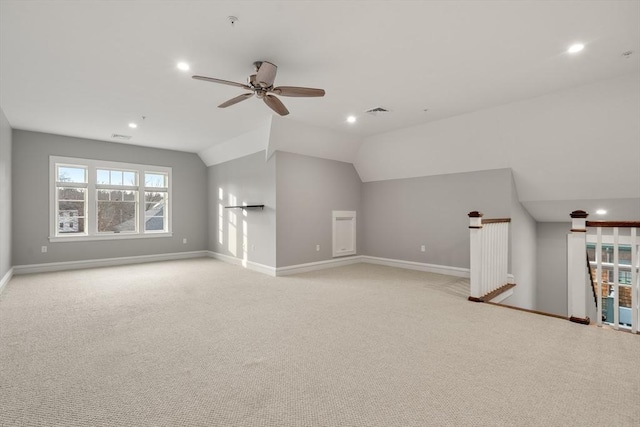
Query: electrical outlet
<point x="184" y="241"/>
<point x="253" y="248"/>
<point x="43" y="249"/>
<point x="317" y="248"/>
<point x="422" y="248"/>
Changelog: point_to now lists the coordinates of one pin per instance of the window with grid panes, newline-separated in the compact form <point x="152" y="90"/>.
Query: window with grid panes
<point x="93" y="200"/>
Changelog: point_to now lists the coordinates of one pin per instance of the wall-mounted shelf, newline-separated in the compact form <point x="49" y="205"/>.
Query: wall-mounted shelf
<point x="244" y="207"/>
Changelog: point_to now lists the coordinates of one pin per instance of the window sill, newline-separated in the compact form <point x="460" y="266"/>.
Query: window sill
<point x="68" y="239"/>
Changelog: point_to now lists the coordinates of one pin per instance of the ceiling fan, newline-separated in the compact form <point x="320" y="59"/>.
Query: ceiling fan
<point x="261" y="84"/>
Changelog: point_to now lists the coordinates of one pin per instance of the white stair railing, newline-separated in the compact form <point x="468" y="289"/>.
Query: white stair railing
<point x="489" y="246"/>
<point x="614" y="235"/>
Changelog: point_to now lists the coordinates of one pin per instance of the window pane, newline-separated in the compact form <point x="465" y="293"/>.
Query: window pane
<point x="155" y="180"/>
<point x="130" y="178"/>
<point x="116" y="216"/>
<point x="116" y="177"/>
<point x="154" y="223"/>
<point x="155" y="203"/>
<point x="70" y="217"/>
<point x="71" y="193"/>
<point x="71" y="174"/>
<point x="102" y="176"/>
<point x="103" y="194"/>
<point x="117" y="210"/>
<point x="129" y="196"/>
<point x="154" y="200"/>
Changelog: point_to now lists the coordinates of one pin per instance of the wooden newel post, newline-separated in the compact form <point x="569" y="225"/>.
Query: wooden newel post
<point x="475" y="267"/>
<point x="577" y="268"/>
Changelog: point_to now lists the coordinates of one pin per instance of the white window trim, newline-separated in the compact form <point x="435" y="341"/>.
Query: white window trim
<point x="91" y="233"/>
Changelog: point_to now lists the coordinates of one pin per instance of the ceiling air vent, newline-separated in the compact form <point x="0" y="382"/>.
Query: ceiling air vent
<point x="121" y="137"/>
<point x="377" y="110"/>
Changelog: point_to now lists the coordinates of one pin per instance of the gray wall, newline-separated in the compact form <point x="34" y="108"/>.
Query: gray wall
<point x="5" y="195"/>
<point x="31" y="151"/>
<point x="522" y="248"/>
<point x="551" y="289"/>
<point x="403" y="214"/>
<point x="309" y="189"/>
<point x="250" y="180"/>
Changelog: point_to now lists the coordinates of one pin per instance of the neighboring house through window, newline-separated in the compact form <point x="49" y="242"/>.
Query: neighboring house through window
<point x="94" y="200"/>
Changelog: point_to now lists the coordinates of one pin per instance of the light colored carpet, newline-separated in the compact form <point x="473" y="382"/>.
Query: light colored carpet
<point x="203" y="343"/>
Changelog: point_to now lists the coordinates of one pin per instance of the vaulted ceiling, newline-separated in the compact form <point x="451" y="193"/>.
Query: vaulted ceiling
<point x="90" y="68"/>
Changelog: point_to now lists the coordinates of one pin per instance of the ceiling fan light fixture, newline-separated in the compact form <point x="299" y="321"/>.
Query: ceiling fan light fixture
<point x="133" y="125"/>
<point x="351" y="119"/>
<point x="183" y="66"/>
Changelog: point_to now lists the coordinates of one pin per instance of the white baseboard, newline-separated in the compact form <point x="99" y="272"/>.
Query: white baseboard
<point x="106" y="262"/>
<point x="260" y="268"/>
<point x="338" y="262"/>
<point x="420" y="266"/>
<point x="5" y="279"/>
<point x="318" y="265"/>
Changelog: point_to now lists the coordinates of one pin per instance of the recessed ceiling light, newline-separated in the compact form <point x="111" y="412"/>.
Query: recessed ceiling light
<point x="601" y="212"/>
<point x="351" y="119"/>
<point x="133" y="125"/>
<point x="183" y="66"/>
<point x="575" y="48"/>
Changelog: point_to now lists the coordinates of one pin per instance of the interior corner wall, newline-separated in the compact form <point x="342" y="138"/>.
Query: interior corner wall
<point x="243" y="234"/>
<point x="5" y="195"/>
<point x="523" y="254"/>
<point x="309" y="189"/>
<point x="551" y="289"/>
<point x="31" y="211"/>
<point x="401" y="215"/>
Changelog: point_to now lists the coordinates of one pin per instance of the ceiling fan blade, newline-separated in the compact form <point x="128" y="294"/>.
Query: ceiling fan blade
<point x="224" y="82"/>
<point x="298" y="91"/>
<point x="276" y="105"/>
<point x="266" y="74"/>
<point x="235" y="100"/>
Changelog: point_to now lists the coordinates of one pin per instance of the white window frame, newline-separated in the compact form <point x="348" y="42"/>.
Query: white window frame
<point x="91" y="226"/>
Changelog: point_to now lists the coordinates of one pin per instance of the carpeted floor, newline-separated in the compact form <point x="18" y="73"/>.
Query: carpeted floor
<point x="203" y="343"/>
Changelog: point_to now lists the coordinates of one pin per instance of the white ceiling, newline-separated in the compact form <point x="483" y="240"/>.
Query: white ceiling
<point x="89" y="68"/>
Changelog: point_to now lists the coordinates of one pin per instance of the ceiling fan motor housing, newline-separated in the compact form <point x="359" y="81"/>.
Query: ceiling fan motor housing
<point x="265" y="74"/>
